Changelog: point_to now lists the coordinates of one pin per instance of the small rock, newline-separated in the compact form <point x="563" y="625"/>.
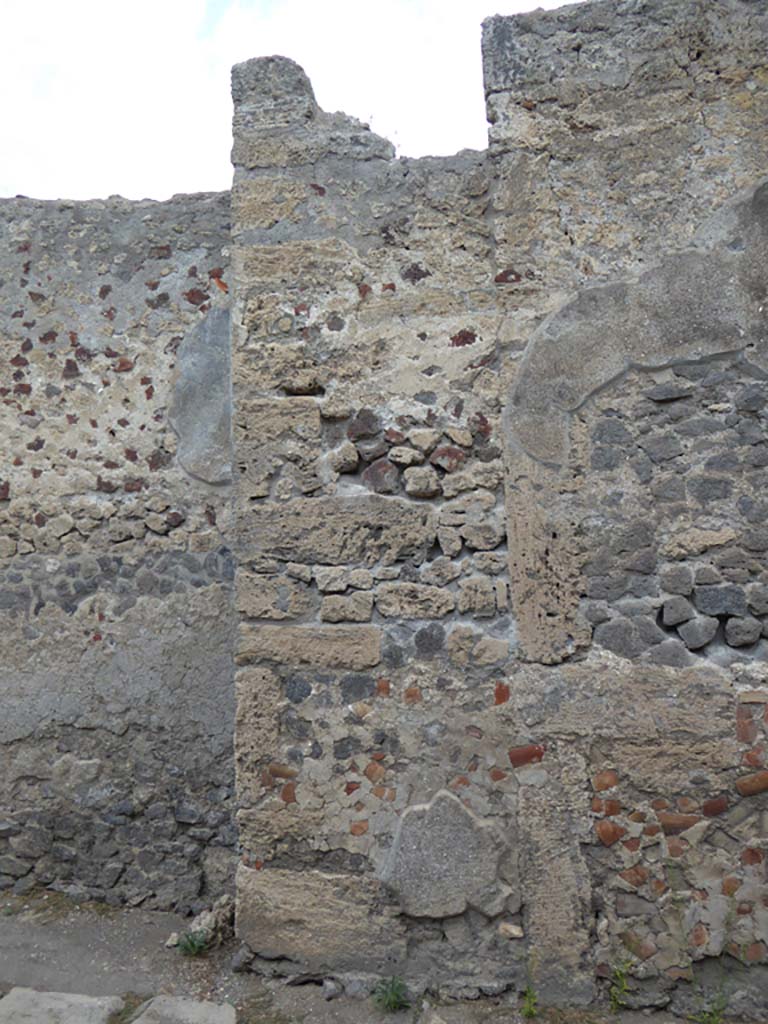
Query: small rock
<point x="677" y="610"/>
<point x="698" y="632"/>
<point x="172" y="940"/>
<point x="508" y="930"/>
<point x="741" y="632"/>
<point x="332" y="989"/>
<point x="242" y="959"/>
<point x="382" y="477"/>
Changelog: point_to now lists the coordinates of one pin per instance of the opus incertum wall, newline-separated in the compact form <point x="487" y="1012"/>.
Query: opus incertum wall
<point x="488" y="550"/>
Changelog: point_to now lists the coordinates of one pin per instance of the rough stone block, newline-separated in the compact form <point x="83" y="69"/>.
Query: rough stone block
<point x="272" y="597"/>
<point x="413" y="601"/>
<point x="319" y="922"/>
<point x="337" y="531"/>
<point x="25" y="1006"/>
<point x="352" y="647"/>
<point x="444" y="859"/>
<point x="172" y="1010"/>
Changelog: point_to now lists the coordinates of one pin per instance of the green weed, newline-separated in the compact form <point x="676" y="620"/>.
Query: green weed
<point x="391" y="995"/>
<point x="193" y="943"/>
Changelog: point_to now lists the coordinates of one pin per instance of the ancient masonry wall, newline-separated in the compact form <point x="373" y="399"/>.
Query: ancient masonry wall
<point x="499" y="521"/>
<point x="115" y="578"/>
<point x="492" y="571"/>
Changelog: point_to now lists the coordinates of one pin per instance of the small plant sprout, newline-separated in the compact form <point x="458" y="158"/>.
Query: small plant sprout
<point x="391" y="995"/>
<point x="619" y="986"/>
<point x="712" y="1014"/>
<point x="193" y="943"/>
<point x="530" y="1002"/>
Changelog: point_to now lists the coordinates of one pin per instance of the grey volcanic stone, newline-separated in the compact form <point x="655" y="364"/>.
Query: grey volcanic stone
<point x="445" y="859"/>
<point x="620" y="636"/>
<point x="677" y="610"/>
<point x="741" y="632"/>
<point x="670" y="652"/>
<point x="757" y="598"/>
<point x="698" y="632"/>
<point x="25" y="1006"/>
<point x="720" y="600"/>
<point x="677" y="579"/>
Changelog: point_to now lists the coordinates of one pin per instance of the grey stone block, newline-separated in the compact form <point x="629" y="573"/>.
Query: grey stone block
<point x="741" y="632"/>
<point x="25" y="1006"/>
<point x="677" y="610"/>
<point x="445" y="859"/>
<point x="726" y="599"/>
<point x="698" y="632"/>
<point x="170" y="1010"/>
<point x="677" y="579"/>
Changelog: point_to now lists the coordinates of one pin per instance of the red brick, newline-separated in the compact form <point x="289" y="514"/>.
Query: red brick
<point x="374" y="771"/>
<point x="633" y="845"/>
<point x="459" y="781"/>
<point x="606" y="779"/>
<point x="358" y="828"/>
<point x="412" y="695"/>
<point x="383" y="688"/>
<point x="744" y="908"/>
<point x="730" y="885"/>
<point x="351" y="787"/>
<point x="637" y="816"/>
<point x="531" y="754"/>
<point x="673" y="824"/>
<point x="676" y="847"/>
<point x="612" y="807"/>
<point x="598" y="805"/>
<point x="686" y="805"/>
<point x="635" y="876"/>
<point x="746" y="730"/>
<point x="501" y="693"/>
<point x="288" y="793"/>
<point x="751" y="785"/>
<point x="608" y="832"/>
<point x="282" y="771"/>
<point x="497" y="774"/>
<point x="658" y="886"/>
<point x="754" y="758"/>
<point x="699" y="935"/>
<point x="660" y="804"/>
<point x="651" y="830"/>
<point x="751" y="856"/>
<point x="716" y="805"/>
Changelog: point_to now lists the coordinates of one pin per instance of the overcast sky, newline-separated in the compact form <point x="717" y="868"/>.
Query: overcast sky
<point x="103" y="97"/>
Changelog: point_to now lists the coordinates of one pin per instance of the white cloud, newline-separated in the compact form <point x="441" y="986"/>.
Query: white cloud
<point x="101" y="97"/>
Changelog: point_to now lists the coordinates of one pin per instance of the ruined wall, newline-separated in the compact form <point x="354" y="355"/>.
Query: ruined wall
<point x="115" y="579"/>
<point x="499" y="439"/>
<point x="484" y="571"/>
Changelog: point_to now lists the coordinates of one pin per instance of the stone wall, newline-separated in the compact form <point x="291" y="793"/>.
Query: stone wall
<point x="115" y="576"/>
<point x="484" y="571"/>
<point x="499" y="437"/>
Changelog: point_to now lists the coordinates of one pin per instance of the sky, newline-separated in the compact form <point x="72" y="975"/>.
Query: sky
<point x="104" y="97"/>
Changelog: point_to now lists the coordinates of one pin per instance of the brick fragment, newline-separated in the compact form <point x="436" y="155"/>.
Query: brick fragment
<point x="606" y="779"/>
<point x="716" y="805"/>
<point x="608" y="832"/>
<point x="673" y="823"/>
<point x="751" y="785"/>
<point x="530" y="754"/>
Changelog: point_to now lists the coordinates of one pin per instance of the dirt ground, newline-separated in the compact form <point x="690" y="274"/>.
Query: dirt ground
<point x="49" y="943"/>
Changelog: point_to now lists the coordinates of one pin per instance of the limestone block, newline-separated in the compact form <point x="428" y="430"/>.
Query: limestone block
<point x="260" y="420"/>
<point x="257" y="726"/>
<point x="358" y="607"/>
<point x="337" y="531"/>
<point x="413" y="601"/>
<point x="321" y="922"/>
<point x="272" y="597"/>
<point x="25" y="1006"/>
<point x="444" y="859"/>
<point x="201" y="408"/>
<point x="351" y="647"/>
